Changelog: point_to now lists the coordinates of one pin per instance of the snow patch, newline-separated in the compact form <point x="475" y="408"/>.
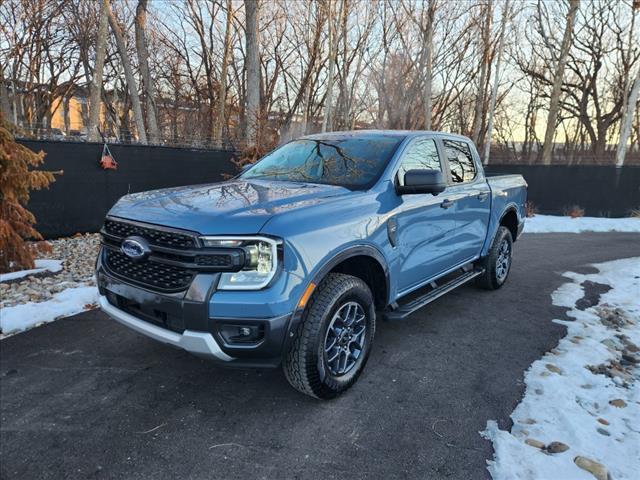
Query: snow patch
<point x="568" y="391"/>
<point x="68" y="302"/>
<point x="551" y="224"/>
<point x="42" y="265"/>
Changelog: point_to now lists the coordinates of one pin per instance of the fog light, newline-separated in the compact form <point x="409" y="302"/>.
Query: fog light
<point x="243" y="334"/>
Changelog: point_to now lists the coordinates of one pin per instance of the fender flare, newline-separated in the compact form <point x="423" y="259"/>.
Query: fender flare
<point x="511" y="207"/>
<point x="350" y="252"/>
<point x="330" y="264"/>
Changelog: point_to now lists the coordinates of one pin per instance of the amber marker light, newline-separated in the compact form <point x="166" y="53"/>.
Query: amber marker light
<point x="305" y="296"/>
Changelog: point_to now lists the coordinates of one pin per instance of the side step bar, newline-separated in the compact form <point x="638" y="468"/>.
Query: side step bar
<point x="403" y="311"/>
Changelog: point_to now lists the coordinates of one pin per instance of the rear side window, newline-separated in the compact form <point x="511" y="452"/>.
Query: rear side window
<point x="419" y="155"/>
<point x="461" y="164"/>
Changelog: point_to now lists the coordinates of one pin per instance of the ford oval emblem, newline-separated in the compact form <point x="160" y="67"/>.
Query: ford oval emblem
<point x="135" y="248"/>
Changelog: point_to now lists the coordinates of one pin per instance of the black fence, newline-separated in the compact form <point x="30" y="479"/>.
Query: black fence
<point x="79" y="199"/>
<point x="602" y="191"/>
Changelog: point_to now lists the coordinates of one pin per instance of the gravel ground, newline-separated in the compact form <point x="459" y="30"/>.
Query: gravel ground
<point x="78" y="254"/>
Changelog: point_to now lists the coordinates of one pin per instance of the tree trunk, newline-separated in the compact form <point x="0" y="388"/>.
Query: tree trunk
<point x="5" y="103"/>
<point x="428" y="76"/>
<point x="65" y="114"/>
<point x="554" y="102"/>
<point x="143" y="60"/>
<point x="128" y="74"/>
<point x="494" y="90"/>
<point x="342" y="105"/>
<point x="484" y="68"/>
<point x="327" y="120"/>
<point x="95" y="89"/>
<point x="222" y="95"/>
<point x="627" y="118"/>
<point x="253" y="71"/>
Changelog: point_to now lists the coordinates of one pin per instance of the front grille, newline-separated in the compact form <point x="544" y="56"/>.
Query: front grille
<point x="162" y="238"/>
<point x="157" y="275"/>
<point x="175" y="258"/>
<point x="215" y="260"/>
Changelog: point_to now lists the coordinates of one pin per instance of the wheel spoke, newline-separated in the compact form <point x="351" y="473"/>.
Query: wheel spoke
<point x="348" y="319"/>
<point x="332" y="359"/>
<point x="331" y="345"/>
<point x="345" y="356"/>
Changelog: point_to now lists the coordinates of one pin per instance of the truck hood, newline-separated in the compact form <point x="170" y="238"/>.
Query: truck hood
<point x="233" y="207"/>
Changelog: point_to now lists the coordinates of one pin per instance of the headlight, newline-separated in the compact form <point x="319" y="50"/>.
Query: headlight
<point x="261" y="261"/>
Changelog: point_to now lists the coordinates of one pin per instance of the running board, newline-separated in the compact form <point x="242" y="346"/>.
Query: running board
<point x="403" y="311"/>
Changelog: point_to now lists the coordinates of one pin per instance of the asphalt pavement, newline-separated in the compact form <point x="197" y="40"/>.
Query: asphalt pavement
<point x="85" y="397"/>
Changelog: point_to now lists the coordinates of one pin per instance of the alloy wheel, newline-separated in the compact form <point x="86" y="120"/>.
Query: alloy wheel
<point x="345" y="338"/>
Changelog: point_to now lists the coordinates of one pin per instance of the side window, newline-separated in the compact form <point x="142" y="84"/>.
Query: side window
<point x="419" y="155"/>
<point x="461" y="164"/>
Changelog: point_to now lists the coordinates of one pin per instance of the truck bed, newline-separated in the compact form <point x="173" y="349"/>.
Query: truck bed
<point x="507" y="192"/>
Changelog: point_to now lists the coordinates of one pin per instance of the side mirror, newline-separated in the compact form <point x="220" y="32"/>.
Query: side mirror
<point x="422" y="181"/>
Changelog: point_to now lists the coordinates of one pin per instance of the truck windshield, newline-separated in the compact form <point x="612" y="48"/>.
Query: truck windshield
<point x="354" y="162"/>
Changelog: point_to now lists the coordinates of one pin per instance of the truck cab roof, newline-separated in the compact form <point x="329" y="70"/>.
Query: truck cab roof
<point x="376" y="133"/>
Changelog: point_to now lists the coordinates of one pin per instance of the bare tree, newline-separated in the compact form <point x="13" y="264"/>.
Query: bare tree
<point x="253" y="71"/>
<point x="625" y="129"/>
<point x="554" y="101"/>
<point x="130" y="79"/>
<point x="222" y="95"/>
<point x="485" y="62"/>
<point x="143" y="60"/>
<point x="5" y="103"/>
<point x="95" y="103"/>
<point x="631" y="90"/>
<point x="506" y="12"/>
<point x="327" y="120"/>
<point x="428" y="67"/>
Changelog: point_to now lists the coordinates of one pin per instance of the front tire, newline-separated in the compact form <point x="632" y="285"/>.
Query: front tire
<point x="497" y="263"/>
<point x="334" y="338"/>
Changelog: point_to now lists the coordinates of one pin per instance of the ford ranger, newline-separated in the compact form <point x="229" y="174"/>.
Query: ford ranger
<point x="292" y="262"/>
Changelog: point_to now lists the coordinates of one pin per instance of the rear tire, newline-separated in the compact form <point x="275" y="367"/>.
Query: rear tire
<point x="497" y="263"/>
<point x="334" y="338"/>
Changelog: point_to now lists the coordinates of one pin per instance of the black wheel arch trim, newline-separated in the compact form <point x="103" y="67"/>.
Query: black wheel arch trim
<point x="350" y="252"/>
<point x="511" y="207"/>
<point x="328" y="266"/>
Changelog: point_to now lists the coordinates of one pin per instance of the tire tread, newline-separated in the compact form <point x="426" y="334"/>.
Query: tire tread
<point x="299" y="367"/>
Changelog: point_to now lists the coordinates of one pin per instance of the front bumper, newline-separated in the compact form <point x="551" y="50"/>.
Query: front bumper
<point x="199" y="343"/>
<point x="187" y="320"/>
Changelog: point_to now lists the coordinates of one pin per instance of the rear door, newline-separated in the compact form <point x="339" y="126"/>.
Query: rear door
<point x="472" y="197"/>
<point x="423" y="225"/>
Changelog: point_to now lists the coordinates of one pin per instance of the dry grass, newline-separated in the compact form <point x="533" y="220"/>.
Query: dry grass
<point x="530" y="209"/>
<point x="574" y="211"/>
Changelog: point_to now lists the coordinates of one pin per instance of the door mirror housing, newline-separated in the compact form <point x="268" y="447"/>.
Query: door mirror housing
<point x="422" y="181"/>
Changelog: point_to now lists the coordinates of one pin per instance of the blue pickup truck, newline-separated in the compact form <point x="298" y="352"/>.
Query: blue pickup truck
<point x="292" y="262"/>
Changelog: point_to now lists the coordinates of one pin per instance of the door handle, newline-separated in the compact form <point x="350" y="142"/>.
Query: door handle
<point x="446" y="204"/>
<point x="483" y="196"/>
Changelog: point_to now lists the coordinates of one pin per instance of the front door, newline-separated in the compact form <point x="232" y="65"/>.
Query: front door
<point x="424" y="224"/>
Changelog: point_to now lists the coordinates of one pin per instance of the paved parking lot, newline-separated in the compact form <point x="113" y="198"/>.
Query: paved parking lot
<point x="86" y="398"/>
